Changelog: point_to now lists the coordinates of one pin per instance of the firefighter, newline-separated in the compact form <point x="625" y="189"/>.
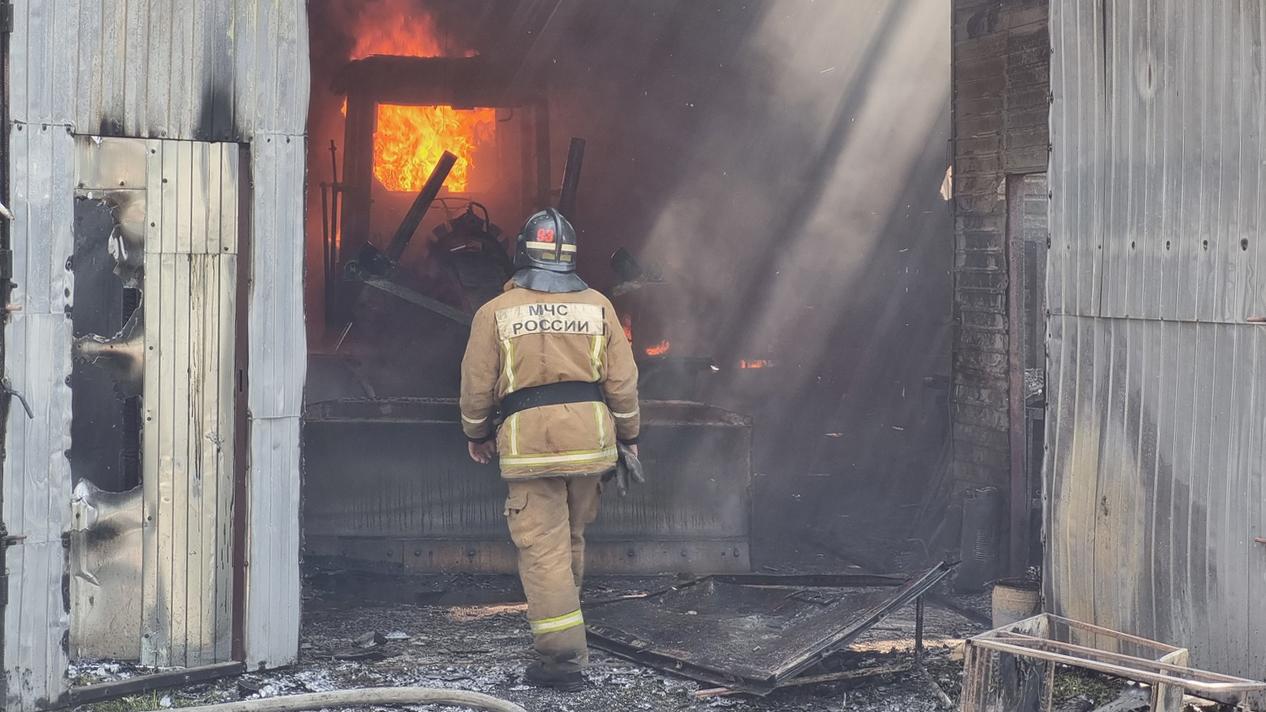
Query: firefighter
<point x="548" y="360"/>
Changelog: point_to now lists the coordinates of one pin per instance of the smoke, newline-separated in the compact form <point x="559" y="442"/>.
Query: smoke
<point x="781" y="162"/>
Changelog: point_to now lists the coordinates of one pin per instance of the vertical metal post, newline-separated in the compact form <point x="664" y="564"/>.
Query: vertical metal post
<point x="242" y="423"/>
<point x="6" y="270"/>
<point x="336" y="197"/>
<point x="357" y="193"/>
<point x="358" y="170"/>
<point x="1018" y="505"/>
<point x="918" y="630"/>
<point x="327" y="272"/>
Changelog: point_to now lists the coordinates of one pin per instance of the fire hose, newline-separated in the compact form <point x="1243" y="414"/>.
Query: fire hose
<point x="388" y="696"/>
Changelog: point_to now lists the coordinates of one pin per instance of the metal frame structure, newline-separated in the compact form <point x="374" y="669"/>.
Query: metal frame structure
<point x="1049" y="640"/>
<point x="461" y="82"/>
<point x="836" y="633"/>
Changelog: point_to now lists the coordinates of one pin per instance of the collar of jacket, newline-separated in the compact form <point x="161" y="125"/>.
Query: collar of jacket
<point x="539" y="280"/>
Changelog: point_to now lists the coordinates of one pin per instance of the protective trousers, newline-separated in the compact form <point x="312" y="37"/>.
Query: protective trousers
<point x="547" y="518"/>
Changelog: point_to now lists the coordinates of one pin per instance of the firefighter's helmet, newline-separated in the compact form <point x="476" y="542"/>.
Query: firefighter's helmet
<point x="545" y="254"/>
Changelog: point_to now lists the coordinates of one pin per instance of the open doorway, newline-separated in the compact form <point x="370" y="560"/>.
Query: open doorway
<point x="792" y="341"/>
<point x="409" y="246"/>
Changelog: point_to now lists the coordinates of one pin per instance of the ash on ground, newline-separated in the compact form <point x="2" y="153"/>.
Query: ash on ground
<point x="470" y="632"/>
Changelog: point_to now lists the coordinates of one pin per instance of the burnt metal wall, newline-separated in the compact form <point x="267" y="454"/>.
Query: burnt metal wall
<point x="1000" y="104"/>
<point x="234" y="71"/>
<point x="1157" y="422"/>
<point x="387" y="486"/>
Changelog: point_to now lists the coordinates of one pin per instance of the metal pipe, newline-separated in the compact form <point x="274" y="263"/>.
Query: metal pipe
<point x="422" y="203"/>
<point x="326" y="254"/>
<point x="571" y="178"/>
<point x="370" y="696"/>
<point x="336" y="195"/>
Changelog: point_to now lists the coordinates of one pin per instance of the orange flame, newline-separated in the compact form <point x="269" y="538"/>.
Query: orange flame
<point x="755" y="363"/>
<point x="658" y="349"/>
<point x="409" y="140"/>
<point x="627" y="322"/>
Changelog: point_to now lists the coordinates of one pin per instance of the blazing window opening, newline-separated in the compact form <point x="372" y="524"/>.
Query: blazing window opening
<point x="409" y="141"/>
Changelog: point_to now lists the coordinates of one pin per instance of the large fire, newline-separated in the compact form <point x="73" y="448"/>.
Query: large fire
<point x="410" y="139"/>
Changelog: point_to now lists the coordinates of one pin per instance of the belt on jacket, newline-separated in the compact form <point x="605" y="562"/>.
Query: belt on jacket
<point x="550" y="394"/>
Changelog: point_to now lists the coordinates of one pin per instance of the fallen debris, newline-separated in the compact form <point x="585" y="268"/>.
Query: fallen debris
<point x="475" y="647"/>
<point x="937" y="692"/>
<point x="753" y="632"/>
<point x="370" y="639"/>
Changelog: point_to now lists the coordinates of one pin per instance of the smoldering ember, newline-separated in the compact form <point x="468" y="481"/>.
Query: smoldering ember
<point x="805" y="355"/>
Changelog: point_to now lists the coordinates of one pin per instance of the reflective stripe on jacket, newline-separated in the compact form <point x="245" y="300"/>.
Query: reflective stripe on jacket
<point x="525" y="338"/>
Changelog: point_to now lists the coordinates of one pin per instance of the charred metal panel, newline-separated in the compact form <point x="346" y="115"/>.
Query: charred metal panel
<point x="184" y="69"/>
<point x="177" y="359"/>
<point x="1157" y="418"/>
<point x="104" y="568"/>
<point x="750" y="633"/>
<point x="418" y="502"/>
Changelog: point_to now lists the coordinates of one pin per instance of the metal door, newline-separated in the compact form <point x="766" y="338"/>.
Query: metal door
<point x="135" y="568"/>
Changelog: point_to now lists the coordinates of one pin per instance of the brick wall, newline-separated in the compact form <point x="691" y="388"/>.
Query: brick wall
<point x="1001" y="100"/>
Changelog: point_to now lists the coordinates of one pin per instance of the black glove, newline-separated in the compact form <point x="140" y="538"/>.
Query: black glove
<point x="628" y="469"/>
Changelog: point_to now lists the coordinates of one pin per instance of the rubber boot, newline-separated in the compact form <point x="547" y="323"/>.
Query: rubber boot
<point x="538" y="676"/>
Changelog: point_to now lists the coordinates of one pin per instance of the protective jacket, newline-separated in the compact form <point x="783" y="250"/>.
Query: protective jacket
<point x="526" y="338"/>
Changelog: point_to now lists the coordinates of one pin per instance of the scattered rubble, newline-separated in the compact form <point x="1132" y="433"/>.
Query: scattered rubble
<point x="484" y="647"/>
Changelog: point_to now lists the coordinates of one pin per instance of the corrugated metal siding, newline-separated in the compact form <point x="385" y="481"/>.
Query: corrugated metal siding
<point x="1157" y="418"/>
<point x="235" y="70"/>
<point x="37" y="486"/>
<point x="191" y="282"/>
<point x="223" y="70"/>
<point x="277" y="362"/>
<point x="272" y="589"/>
